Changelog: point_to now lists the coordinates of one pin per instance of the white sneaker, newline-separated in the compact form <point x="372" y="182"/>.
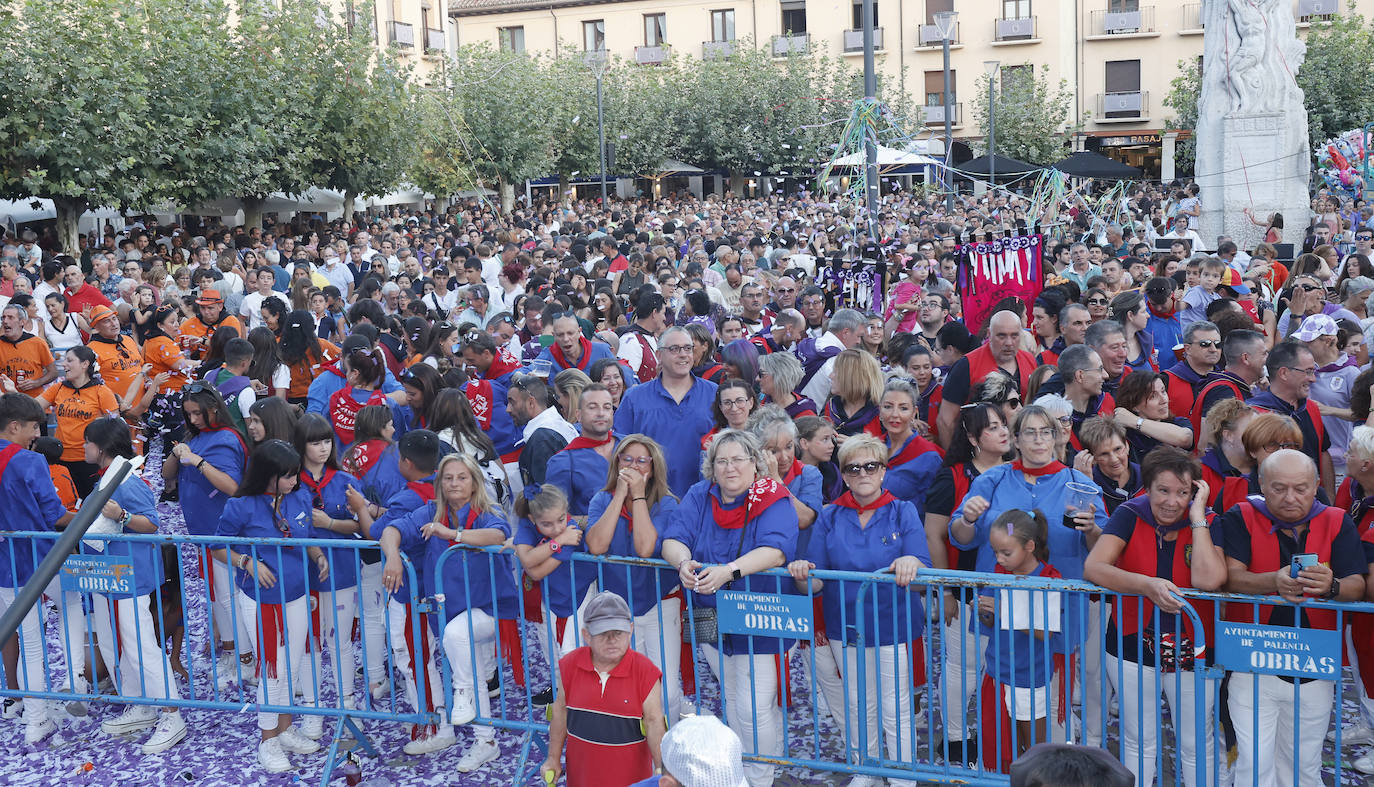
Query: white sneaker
<point x="312" y="727"/>
<point x="294" y="742"/>
<point x="1365" y="764"/>
<point x="350" y="702"/>
<point x="478" y="754"/>
<point x="464" y="706"/>
<point x="171" y="730"/>
<point x="430" y="741"/>
<point x="35" y="731"/>
<point x="865" y="781"/>
<point x="13" y="708"/>
<point x="271" y="757"/>
<point x="134" y="717"/>
<point x="1353" y="735"/>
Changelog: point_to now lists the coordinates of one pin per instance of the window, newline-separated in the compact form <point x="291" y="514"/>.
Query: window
<point x="512" y="39"/>
<point x="723" y="25"/>
<point x="1016" y="9"/>
<point x="594" y="35"/>
<point x="1122" y="6"/>
<point x="859" y="15"/>
<point x="655" y="29"/>
<point x="1123" y="76"/>
<point x="794" y="16"/>
<point x="934" y="7"/>
<point x="935" y="88"/>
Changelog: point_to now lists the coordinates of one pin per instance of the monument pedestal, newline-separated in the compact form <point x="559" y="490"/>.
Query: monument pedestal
<point x="1264" y="167"/>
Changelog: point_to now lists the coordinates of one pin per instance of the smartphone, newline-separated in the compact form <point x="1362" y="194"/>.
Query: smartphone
<point x="1301" y="561"/>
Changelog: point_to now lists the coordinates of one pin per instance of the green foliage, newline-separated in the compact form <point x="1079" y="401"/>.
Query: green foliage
<point x="1336" y="75"/>
<point x="1032" y="115"/>
<point x="1182" y="98"/>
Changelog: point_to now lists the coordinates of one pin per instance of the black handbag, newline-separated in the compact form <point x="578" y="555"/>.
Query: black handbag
<point x="702" y="619"/>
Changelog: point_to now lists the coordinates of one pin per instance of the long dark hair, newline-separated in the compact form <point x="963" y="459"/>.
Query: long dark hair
<point x="298" y="339"/>
<point x="312" y="428"/>
<point x="265" y="355"/>
<point x="974" y="419"/>
<point x="425" y="379"/>
<point x="270" y="460"/>
<point x="278" y="310"/>
<point x="216" y="413"/>
<point x="452" y="410"/>
<point x="111" y="436"/>
<point x="278" y="418"/>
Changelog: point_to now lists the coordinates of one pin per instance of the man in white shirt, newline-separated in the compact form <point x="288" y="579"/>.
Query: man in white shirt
<point x="251" y="308"/>
<point x="844" y="331"/>
<point x="336" y="272"/>
<point x="393" y="262"/>
<point x="1181" y="232"/>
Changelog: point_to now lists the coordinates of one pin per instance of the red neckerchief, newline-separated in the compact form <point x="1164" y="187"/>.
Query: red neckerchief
<point x="503" y="363"/>
<point x="231" y="430"/>
<point x="317" y="487"/>
<point x="365" y="455"/>
<point x="482" y="397"/>
<point x="915" y="446"/>
<point x="472" y="517"/>
<point x="628" y="514"/>
<point x="763" y="493"/>
<point x="562" y="360"/>
<point x="582" y="441"/>
<point x="1156" y="312"/>
<point x="1049" y="469"/>
<point x="423" y="488"/>
<point x="793" y="471"/>
<point x="847" y="500"/>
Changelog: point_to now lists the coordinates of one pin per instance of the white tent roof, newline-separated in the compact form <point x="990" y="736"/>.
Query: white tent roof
<point x="887" y="157"/>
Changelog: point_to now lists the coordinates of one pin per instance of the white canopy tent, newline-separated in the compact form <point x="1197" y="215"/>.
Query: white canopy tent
<point x="16" y="212"/>
<point x="888" y="159"/>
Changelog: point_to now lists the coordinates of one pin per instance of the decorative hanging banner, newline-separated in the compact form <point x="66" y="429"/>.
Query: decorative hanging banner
<point x="854" y="285"/>
<point x="992" y="271"/>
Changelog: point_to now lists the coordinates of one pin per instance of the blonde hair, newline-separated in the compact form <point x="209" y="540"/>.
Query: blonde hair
<point x="1223" y="417"/>
<point x="857" y="375"/>
<point x="656" y="488"/>
<point x="861" y="443"/>
<point x="479" y="501"/>
<point x="570" y="383"/>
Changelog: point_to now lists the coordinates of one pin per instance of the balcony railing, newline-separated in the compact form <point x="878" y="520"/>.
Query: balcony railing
<point x="434" y="40"/>
<point x="1120" y="23"/>
<point x="935" y="115"/>
<point x="854" y="40"/>
<point x="1133" y="105"/>
<point x="791" y="44"/>
<point x="650" y="55"/>
<point x="1015" y="29"/>
<point x="716" y="50"/>
<point x="1317" y="10"/>
<point x="401" y="33"/>
<point x="1192" y="16"/>
<point x="930" y="35"/>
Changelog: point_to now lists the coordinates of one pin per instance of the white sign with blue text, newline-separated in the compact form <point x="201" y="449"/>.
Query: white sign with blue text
<point x="764" y="615"/>
<point x="1279" y="650"/>
<point x="110" y="574"/>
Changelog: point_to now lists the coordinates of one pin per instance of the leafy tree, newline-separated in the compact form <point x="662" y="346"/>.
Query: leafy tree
<point x="437" y="165"/>
<point x="1032" y="114"/>
<point x="1182" y="98"/>
<point x="1336" y="74"/>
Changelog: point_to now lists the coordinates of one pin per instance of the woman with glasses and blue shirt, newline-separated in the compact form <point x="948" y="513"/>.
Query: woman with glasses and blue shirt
<point x="1039" y="481"/>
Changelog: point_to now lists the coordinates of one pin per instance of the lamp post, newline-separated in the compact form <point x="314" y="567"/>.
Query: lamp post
<point x="990" y="66"/>
<point x="596" y="60"/>
<point x="870" y="142"/>
<point x="944" y="22"/>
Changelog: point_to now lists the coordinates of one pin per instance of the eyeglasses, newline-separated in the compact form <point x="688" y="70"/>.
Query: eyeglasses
<point x="867" y="468"/>
<point x="730" y="404"/>
<point x="1309" y="287"/>
<point x="1272" y="447"/>
<point x="672" y="349"/>
<point x="786" y="290"/>
<point x="1207" y="344"/>
<point x="737" y="461"/>
<point x="1304" y="372"/>
<point x="1037" y="434"/>
<point x="626" y="459"/>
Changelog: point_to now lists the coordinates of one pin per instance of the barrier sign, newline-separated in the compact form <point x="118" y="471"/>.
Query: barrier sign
<point x="1279" y="650"/>
<point x="112" y="574"/>
<point x="764" y="615"/>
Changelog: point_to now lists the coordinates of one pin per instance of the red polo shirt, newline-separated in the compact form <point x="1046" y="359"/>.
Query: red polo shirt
<point x="606" y="744"/>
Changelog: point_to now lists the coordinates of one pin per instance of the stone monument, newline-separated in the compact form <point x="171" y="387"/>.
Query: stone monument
<point x="1252" y="149"/>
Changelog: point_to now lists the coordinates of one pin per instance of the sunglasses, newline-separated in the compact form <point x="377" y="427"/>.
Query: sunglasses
<point x="1097" y="301"/>
<point x="1309" y="287"/>
<point x="1207" y="344"/>
<point x="867" y="468"/>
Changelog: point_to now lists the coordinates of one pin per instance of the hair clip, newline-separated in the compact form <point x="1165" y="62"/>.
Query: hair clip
<point x="1011" y="529"/>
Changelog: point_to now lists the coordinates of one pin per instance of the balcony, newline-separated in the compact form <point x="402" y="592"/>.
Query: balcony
<point x="1115" y="24"/>
<point x="434" y="41"/>
<point x="1310" y="11"/>
<point x="930" y="36"/>
<point x="1193" y="20"/>
<point x="1128" y="107"/>
<point x="717" y="50"/>
<point x="791" y="44"/>
<point x="1013" y="31"/>
<point x="935" y="115"/>
<point x="401" y="34"/>
<point x="651" y="55"/>
<point x="854" y="40"/>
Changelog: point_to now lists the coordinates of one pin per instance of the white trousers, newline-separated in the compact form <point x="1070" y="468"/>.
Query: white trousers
<point x="887" y="695"/>
<point x="71" y="618"/>
<point x="1267" y="752"/>
<point x="1137" y="687"/>
<point x="374" y="602"/>
<point x="960" y="675"/>
<point x="466" y="649"/>
<point x="1366" y="702"/>
<point x="134" y="655"/>
<point x="225" y="593"/>
<point x="337" y="610"/>
<point x="292" y="668"/>
<point x="662" y="643"/>
<point x="749" y="691"/>
<point x="31" y="667"/>
<point x="827" y="677"/>
<point x="405" y="657"/>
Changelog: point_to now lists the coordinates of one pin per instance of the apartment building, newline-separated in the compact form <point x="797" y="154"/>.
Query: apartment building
<point x="420" y="31"/>
<point x="1116" y="56"/>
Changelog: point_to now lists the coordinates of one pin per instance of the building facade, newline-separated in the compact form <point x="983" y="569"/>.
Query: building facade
<point x="422" y="32"/>
<point x="1116" y="56"/>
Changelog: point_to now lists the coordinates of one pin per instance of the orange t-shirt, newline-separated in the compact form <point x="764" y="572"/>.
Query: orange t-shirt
<point x="66" y="487"/>
<point x="164" y="354"/>
<point x="26" y="359"/>
<point x="307" y="369"/>
<point x="76" y="407"/>
<point x="195" y="335"/>
<point x="119" y="362"/>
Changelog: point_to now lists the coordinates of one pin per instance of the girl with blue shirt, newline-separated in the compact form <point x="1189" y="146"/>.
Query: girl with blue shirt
<point x="625" y="520"/>
<point x="204" y="473"/>
<point x="545" y="541"/>
<point x="478" y="588"/>
<point x="334" y="600"/>
<point x="272" y="584"/>
<point x="143" y="667"/>
<point x="867" y="529"/>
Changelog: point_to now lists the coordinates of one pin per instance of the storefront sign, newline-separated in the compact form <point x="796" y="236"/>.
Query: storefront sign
<point x="764" y="615"/>
<point x="1279" y="650"/>
<point x="1130" y="139"/>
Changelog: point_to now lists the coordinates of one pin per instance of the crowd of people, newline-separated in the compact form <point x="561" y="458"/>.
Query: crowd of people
<point x="679" y="379"/>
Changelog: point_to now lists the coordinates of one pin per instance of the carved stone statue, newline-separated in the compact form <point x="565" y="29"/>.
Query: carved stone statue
<point x="1252" y="146"/>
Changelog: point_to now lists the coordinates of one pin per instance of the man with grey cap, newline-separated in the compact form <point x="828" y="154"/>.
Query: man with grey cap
<point x="609" y="709"/>
<point x="700" y="751"/>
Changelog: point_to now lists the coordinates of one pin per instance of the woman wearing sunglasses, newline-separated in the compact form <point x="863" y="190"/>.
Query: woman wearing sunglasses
<point x="867" y="529"/>
<point x="1097" y="302"/>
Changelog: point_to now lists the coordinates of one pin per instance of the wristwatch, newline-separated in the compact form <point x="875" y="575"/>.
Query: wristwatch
<point x="734" y="571"/>
<point x="1139" y="421"/>
<point x="1333" y="591"/>
<point x="554" y="547"/>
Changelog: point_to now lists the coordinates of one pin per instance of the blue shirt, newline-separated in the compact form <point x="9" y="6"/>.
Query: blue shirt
<point x="1166" y="333"/>
<point x="330" y="381"/>
<point x="580" y="473"/>
<point x="1018" y="658"/>
<point x="402" y="503"/>
<point x="136" y="497"/>
<point x="911" y="479"/>
<point x="806" y="487"/>
<point x="678" y="427"/>
<point x="383" y="479"/>
<point x="201" y="502"/>
<point x="840" y="544"/>
<point x="30" y="503"/>
<point x="775" y="526"/>
<point x="332" y="499"/>
<point x="642" y="588"/>
<point x="567" y="585"/>
<point x="471" y="579"/>
<point x="598" y="351"/>
<point x="252" y="517"/>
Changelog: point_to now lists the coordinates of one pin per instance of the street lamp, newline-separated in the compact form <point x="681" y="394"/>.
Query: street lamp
<point x="991" y="66"/>
<point x="944" y="22"/>
<point x="596" y="60"/>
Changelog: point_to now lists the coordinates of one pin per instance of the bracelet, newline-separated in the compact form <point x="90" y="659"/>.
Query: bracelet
<point x="645" y="499"/>
<point x="201" y="465"/>
<point x="1196" y="525"/>
<point x="683" y="563"/>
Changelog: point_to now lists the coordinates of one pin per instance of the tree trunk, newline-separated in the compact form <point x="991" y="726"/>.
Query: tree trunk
<point x="69" y="210"/>
<point x="252" y="211"/>
<point x="507" y="195"/>
<point x="348" y="198"/>
<point x="737" y="182"/>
